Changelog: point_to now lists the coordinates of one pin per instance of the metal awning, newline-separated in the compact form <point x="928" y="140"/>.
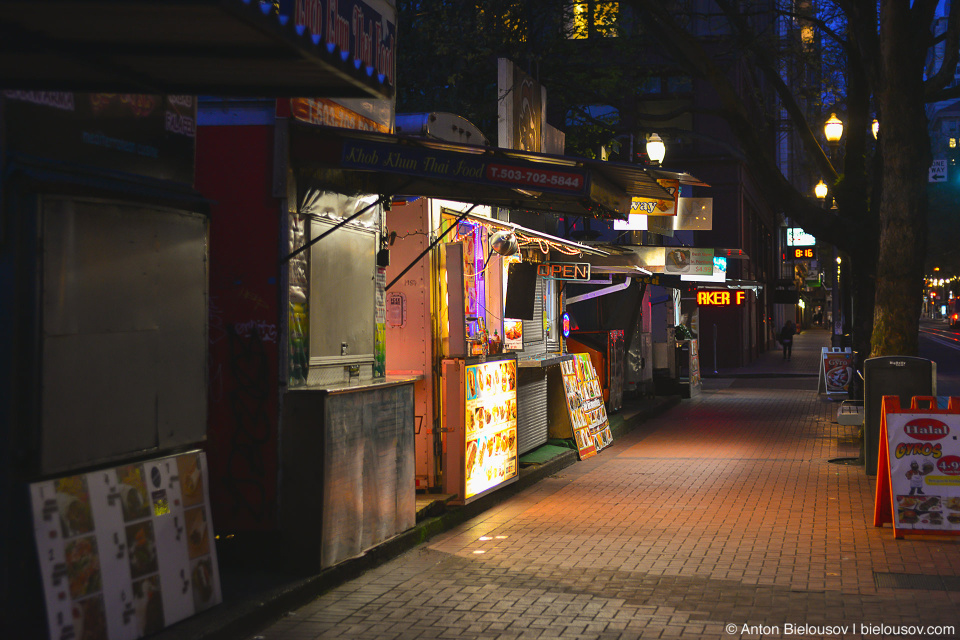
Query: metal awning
<point x="682" y="177"/>
<point x="535" y="235"/>
<point x="625" y="260"/>
<point x="207" y="47"/>
<point x="369" y="162"/>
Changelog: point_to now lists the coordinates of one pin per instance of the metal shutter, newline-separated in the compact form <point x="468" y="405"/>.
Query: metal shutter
<point x="534" y="343"/>
<point x="531" y="409"/>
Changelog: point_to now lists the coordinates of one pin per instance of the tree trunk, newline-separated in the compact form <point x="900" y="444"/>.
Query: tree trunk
<point x="906" y="157"/>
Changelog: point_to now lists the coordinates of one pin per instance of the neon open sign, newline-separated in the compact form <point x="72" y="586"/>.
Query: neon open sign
<point x="721" y="298"/>
<point x="564" y="270"/>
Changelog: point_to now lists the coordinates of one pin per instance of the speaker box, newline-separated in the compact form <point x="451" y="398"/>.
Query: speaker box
<point x="902" y="376"/>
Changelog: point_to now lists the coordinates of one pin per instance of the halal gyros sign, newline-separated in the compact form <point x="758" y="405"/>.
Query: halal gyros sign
<point x="924" y="463"/>
<point x="926" y="429"/>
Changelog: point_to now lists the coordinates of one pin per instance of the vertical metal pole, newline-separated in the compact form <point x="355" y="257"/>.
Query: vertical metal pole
<point x="837" y="328"/>
<point x="714" y="348"/>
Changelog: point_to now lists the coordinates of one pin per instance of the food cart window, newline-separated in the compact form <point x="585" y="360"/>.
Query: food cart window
<point x="343" y="264"/>
<point x="476" y="314"/>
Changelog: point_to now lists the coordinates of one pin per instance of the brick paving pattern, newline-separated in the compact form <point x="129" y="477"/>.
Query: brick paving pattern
<point x="723" y="511"/>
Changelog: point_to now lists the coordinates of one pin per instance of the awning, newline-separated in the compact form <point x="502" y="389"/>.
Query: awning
<point x="683" y="177"/>
<point x="368" y="162"/>
<point x="206" y="47"/>
<point x="535" y="236"/>
<point x="626" y="260"/>
<point x="70" y="180"/>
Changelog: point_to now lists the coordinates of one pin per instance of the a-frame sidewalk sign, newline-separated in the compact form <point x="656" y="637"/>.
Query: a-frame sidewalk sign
<point x="918" y="469"/>
<point x="835" y="371"/>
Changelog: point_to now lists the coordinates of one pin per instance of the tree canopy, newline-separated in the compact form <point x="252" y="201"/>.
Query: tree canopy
<point x="776" y="70"/>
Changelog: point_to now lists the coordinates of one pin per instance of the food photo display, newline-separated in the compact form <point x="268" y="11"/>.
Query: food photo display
<point x="126" y="551"/>
<point x="490" y="413"/>
<point x="588" y="415"/>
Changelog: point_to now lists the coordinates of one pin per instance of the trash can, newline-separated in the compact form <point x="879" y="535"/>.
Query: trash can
<point x="902" y="376"/>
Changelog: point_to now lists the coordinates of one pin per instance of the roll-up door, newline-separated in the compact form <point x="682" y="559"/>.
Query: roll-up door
<point x="534" y="344"/>
<point x="531" y="408"/>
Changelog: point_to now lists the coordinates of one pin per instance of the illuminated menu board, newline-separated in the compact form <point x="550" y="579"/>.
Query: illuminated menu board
<point x="490" y="454"/>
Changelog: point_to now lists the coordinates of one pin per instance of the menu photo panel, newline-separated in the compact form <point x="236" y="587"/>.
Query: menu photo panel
<point x="490" y="412"/>
<point x="126" y="551"/>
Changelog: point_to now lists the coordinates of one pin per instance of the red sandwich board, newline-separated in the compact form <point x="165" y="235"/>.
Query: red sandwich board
<point x="918" y="470"/>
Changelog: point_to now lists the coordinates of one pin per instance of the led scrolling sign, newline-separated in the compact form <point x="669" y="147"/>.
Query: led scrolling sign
<point x="721" y="298"/>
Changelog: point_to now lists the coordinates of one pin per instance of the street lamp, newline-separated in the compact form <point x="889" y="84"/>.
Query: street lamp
<point x="655" y="148"/>
<point x="875" y="127"/>
<point x="833" y="129"/>
<point x="820" y="190"/>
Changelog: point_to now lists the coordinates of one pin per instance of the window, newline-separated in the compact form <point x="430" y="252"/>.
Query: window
<point x="605" y="19"/>
<point x="593" y="19"/>
<point x="649" y="84"/>
<point x="551" y="311"/>
<point x="679" y="84"/>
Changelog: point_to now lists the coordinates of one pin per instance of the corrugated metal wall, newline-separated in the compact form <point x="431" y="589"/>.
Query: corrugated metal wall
<point x="532" y="382"/>
<point x="531" y="409"/>
<point x="534" y="344"/>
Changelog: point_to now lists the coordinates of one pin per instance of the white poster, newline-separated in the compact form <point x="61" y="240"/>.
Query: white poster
<point x="925" y="470"/>
<point x="689" y="261"/>
<point x="126" y="551"/>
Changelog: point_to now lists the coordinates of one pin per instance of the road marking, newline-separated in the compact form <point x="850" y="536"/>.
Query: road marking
<point x="946" y="341"/>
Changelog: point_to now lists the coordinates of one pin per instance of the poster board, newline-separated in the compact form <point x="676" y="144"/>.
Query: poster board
<point x="490" y="414"/>
<point x="918" y="470"/>
<point x="695" y="380"/>
<point x="835" y="371"/>
<point x="588" y="416"/>
<point x="126" y="551"/>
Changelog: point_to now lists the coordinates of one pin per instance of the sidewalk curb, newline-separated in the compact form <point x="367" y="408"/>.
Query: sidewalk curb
<point x="769" y="374"/>
<point x="241" y="618"/>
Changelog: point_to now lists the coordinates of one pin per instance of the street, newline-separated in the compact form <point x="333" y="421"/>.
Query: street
<point x="722" y="518"/>
<point x="940" y="344"/>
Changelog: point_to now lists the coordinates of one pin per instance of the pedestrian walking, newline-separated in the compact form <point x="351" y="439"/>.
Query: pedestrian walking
<point x="786" y="338"/>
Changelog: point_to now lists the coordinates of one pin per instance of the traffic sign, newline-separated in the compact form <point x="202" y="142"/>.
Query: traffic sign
<point x="938" y="171"/>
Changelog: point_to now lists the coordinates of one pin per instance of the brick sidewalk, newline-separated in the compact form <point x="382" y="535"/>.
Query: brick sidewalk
<point x="805" y="358"/>
<point x="722" y="511"/>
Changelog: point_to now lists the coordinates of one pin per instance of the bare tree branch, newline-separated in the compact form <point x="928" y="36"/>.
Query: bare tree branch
<point x="951" y="55"/>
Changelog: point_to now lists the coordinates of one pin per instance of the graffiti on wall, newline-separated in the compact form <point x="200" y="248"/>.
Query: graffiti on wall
<point x="247" y="473"/>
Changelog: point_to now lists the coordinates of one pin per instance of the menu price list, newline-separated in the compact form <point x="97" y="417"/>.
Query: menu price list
<point x="126" y="551"/>
<point x="588" y="416"/>
<point x="490" y="452"/>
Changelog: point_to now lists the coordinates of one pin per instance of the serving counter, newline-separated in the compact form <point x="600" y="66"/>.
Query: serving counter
<point x="347" y="468"/>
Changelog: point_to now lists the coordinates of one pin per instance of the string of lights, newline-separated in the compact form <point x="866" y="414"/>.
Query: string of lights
<point x="546" y="245"/>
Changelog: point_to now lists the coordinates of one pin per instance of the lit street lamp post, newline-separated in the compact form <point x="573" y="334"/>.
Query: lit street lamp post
<point x="833" y="131"/>
<point x="656" y="150"/>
